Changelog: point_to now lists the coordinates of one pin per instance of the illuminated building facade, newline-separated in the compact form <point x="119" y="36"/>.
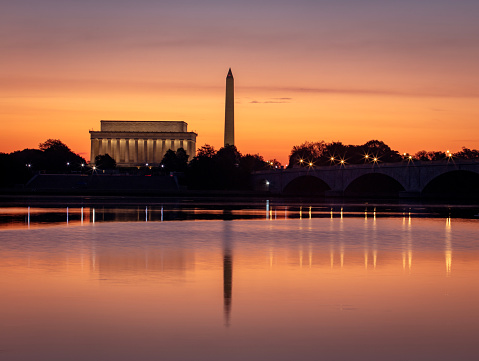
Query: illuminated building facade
<point x="137" y="143"/>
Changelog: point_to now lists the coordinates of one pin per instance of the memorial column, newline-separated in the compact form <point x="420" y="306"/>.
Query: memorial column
<point x="145" y="150"/>
<point x="127" y="150"/>
<point x="135" y="152"/>
<point x="154" y="159"/>
<point x="118" y="151"/>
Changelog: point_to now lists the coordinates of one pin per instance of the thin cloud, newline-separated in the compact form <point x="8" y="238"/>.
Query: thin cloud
<point x="377" y="92"/>
<point x="272" y="101"/>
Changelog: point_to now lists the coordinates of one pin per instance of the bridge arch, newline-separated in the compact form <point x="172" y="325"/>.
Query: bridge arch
<point x="374" y="185"/>
<point x="453" y="184"/>
<point x="306" y="185"/>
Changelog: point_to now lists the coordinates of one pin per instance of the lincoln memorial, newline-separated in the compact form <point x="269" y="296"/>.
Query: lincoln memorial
<point x="135" y="143"/>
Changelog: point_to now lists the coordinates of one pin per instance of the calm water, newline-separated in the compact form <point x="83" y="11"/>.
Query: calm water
<point x="271" y="283"/>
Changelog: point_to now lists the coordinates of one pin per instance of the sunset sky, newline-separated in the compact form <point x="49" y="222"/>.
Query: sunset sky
<point x="402" y="72"/>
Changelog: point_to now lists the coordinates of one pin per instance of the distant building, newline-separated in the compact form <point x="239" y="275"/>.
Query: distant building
<point x="135" y="143"/>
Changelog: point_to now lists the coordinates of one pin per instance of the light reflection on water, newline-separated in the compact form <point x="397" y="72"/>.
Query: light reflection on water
<point x="27" y="217"/>
<point x="339" y="287"/>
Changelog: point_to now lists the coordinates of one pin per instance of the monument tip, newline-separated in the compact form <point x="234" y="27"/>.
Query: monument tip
<point x="230" y="74"/>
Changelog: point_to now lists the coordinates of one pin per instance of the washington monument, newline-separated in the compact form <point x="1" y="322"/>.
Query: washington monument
<point x="230" y="110"/>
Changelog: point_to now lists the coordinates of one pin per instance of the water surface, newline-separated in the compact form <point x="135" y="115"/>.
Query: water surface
<point x="273" y="284"/>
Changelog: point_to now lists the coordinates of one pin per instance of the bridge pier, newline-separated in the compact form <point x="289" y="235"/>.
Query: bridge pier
<point x="334" y="193"/>
<point x="410" y="194"/>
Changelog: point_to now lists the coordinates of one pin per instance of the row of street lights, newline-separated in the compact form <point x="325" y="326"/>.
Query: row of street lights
<point x="366" y="157"/>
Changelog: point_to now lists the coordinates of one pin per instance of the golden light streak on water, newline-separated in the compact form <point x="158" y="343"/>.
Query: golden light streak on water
<point x="301" y="257"/>
<point x="310" y="256"/>
<point x="448" y="250"/>
<point x="375" y="257"/>
<point x="409" y="258"/>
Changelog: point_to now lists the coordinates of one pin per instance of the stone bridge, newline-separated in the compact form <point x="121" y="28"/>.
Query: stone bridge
<point x="405" y="179"/>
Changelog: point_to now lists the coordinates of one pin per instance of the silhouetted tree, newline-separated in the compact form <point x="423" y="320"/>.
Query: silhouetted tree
<point x="307" y="152"/>
<point x="225" y="169"/>
<point x="206" y="151"/>
<point x="202" y="172"/>
<point x="253" y="162"/>
<point x="18" y="167"/>
<point x="54" y="145"/>
<point x="467" y="153"/>
<point x="425" y="156"/>
<point x="58" y="158"/>
<point x="382" y="151"/>
<point x="175" y="161"/>
<point x="227" y="162"/>
<point x="321" y="153"/>
<point x="105" y="161"/>
<point x="53" y="157"/>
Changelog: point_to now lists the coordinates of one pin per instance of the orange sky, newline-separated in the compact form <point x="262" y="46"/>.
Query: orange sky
<point x="402" y="73"/>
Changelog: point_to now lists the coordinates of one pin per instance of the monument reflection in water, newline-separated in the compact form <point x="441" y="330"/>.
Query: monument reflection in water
<point x="334" y="288"/>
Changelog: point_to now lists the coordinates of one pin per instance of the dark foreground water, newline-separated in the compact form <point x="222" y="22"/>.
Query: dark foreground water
<point x="271" y="283"/>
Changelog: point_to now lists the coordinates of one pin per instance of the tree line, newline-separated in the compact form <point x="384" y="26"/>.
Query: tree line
<point x="53" y="156"/>
<point x="221" y="169"/>
<point x="374" y="151"/>
<point x="209" y="169"/>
